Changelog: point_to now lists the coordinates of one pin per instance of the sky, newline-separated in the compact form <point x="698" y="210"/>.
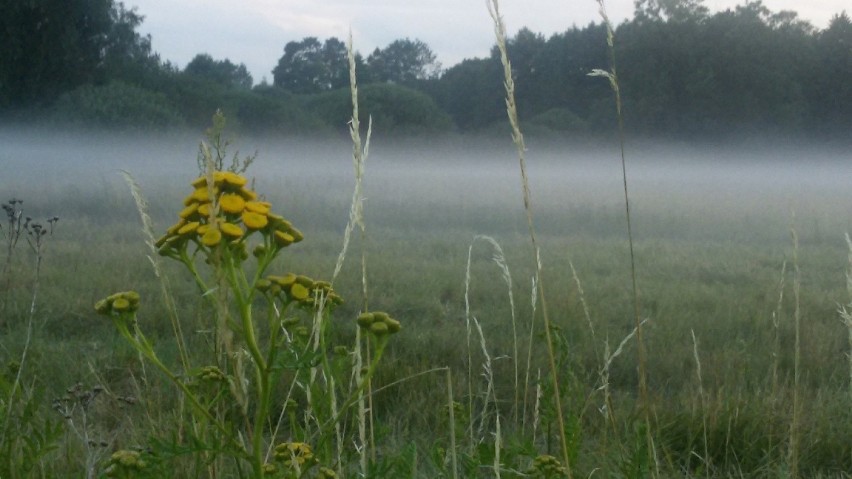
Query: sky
<point x="254" y="32"/>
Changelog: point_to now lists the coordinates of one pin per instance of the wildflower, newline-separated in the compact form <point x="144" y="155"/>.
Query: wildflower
<point x="547" y="466"/>
<point x="188" y="228"/>
<point x="247" y="195"/>
<point x="204" y="210"/>
<point x="231" y="230"/>
<point x="233" y="179"/>
<point x="293" y="454"/>
<point x="379" y="323"/>
<point x="326" y="473"/>
<point x="232" y="203"/>
<point x="212" y="374"/>
<point x="260" y="207"/>
<point x="211" y="237"/>
<point x="124" y="302"/>
<point x="254" y="221"/>
<point x="189" y="211"/>
<point x="284" y="239"/>
<point x="123" y="462"/>
<point x="299" y="292"/>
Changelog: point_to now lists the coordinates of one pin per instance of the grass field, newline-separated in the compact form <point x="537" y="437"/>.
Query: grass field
<point x="713" y="237"/>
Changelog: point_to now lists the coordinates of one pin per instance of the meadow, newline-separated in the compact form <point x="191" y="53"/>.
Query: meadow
<point x="721" y="282"/>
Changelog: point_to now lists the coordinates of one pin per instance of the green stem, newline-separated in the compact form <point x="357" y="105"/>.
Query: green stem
<point x="356" y="395"/>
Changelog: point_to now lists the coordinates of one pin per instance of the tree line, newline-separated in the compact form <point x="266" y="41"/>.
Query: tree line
<point x="683" y="72"/>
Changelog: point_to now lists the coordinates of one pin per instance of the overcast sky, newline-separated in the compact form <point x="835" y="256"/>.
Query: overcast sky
<point x="254" y="32"/>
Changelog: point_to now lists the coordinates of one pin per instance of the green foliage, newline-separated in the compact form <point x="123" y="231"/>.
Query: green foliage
<point x="50" y="47"/>
<point x="309" y="66"/>
<point x="117" y="105"/>
<point x="403" y="62"/>
<point x="28" y="434"/>
<point x="220" y="71"/>
<point x="395" y="109"/>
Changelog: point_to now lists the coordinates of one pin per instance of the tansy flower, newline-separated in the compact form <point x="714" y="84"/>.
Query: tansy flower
<point x="212" y="237"/>
<point x="299" y="292"/>
<point x="261" y="207"/>
<point x="188" y="228"/>
<point x="232" y="203"/>
<point x="202" y="194"/>
<point x="175" y="227"/>
<point x="254" y="221"/>
<point x="233" y="179"/>
<point x="248" y="195"/>
<point x="283" y="239"/>
<point x="231" y="230"/>
<point x="189" y="210"/>
<point x="204" y="210"/>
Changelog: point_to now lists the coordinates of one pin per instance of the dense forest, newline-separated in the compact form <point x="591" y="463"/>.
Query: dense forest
<point x="684" y="72"/>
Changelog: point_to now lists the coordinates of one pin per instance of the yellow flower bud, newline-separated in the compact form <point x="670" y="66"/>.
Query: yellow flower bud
<point x="365" y="319"/>
<point x="189" y="211"/>
<point x="233" y="179"/>
<point x="188" y="228"/>
<point x="232" y="203"/>
<point x="299" y="291"/>
<point x="211" y="238"/>
<point x="261" y="207"/>
<point x="231" y="230"/>
<point x="283" y="239"/>
<point x="120" y="305"/>
<point x="379" y="328"/>
<point x="254" y="221"/>
<point x="204" y="210"/>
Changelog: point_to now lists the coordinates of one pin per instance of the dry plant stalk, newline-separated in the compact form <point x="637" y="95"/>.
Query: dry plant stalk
<point x="793" y="453"/>
<point x="518" y="139"/>
<point x="845" y="315"/>
<point x="702" y="401"/>
<point x="612" y="76"/>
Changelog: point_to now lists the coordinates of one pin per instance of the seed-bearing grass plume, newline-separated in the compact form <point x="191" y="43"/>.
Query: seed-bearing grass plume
<point x="165" y="288"/>
<point x="500" y="260"/>
<point x="518" y="139"/>
<point x="612" y="76"/>
<point x="845" y="314"/>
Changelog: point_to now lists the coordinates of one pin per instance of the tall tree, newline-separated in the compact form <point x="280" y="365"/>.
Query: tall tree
<point x="309" y="66"/>
<point x="48" y="47"/>
<point x="404" y="62"/>
<point x="220" y="71"/>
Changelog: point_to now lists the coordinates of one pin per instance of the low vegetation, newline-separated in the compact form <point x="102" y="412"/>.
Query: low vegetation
<point x="209" y="351"/>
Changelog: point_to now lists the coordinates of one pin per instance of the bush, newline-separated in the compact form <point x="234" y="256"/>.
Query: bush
<point x="117" y="105"/>
<point x="395" y="109"/>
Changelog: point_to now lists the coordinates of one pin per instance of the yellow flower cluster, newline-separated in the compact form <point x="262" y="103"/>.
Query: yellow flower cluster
<point x="211" y="373"/>
<point x="299" y="289"/>
<point x="294" y="454"/>
<point x="118" y="303"/>
<point x="547" y="466"/>
<point x="326" y="473"/>
<point x="123" y="461"/>
<point x="378" y="323"/>
<point x="227" y="213"/>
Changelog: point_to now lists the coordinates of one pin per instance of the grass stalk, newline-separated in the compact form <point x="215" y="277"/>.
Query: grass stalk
<point x="154" y="258"/>
<point x="793" y="453"/>
<point x="612" y="76"/>
<point x="518" y="139"/>
<point x="453" y="458"/>
<point x="533" y="304"/>
<point x="702" y="403"/>
<point x="845" y="315"/>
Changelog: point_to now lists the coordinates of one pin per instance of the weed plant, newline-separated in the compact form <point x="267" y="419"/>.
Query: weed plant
<point x="225" y="365"/>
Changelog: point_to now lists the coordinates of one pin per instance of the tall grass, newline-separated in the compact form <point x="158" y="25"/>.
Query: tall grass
<point x="518" y="139"/>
